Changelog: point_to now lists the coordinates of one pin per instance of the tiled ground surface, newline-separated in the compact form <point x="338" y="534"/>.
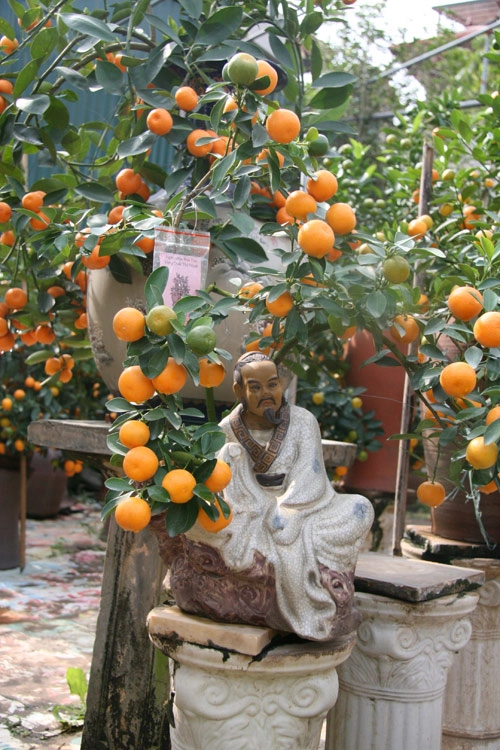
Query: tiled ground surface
<point x="48" y="614"/>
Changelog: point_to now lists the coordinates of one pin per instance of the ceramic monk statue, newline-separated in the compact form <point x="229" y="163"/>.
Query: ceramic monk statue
<point x="287" y="558"/>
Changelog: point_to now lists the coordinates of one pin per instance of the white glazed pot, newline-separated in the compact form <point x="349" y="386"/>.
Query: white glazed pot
<point x="105" y="296"/>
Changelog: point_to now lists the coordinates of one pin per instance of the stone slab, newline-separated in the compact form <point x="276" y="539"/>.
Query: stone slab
<point x="171" y="622"/>
<point x="412" y="580"/>
<point x="420" y="542"/>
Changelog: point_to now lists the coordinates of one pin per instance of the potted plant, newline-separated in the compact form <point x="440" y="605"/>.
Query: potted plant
<point x="28" y="394"/>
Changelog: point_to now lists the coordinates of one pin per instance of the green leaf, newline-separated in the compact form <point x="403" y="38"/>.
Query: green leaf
<point x="119" y="404"/>
<point x="177" y="347"/>
<point x="166" y="28"/>
<point x="137" y="145"/>
<point x="220" y="25"/>
<point x="193" y="8"/>
<point x="259" y="136"/>
<point x="57" y="114"/>
<point x="175" y="179"/>
<point x="376" y="303"/>
<point x="492" y="432"/>
<point x="204" y="493"/>
<point x="246" y="249"/>
<point x="156" y="284"/>
<point x="25" y="134"/>
<point x="280" y="52"/>
<point x="311" y="22"/>
<point x="334" y="80"/>
<point x="434" y="326"/>
<point x="94" y="191"/>
<point x="45" y="302"/>
<point x="158" y="494"/>
<point x="73" y="77"/>
<point x="109" y="76"/>
<point x="331" y="97"/>
<point x="188" y="304"/>
<point x="117" y="484"/>
<point x="154" y="361"/>
<point x="43" y="43"/>
<point x="33" y="105"/>
<point x="89" y="26"/>
<point x="6" y="29"/>
<point x="316" y="59"/>
<point x="77" y="682"/>
<point x="206" y="206"/>
<point x="241" y="191"/>
<point x="180" y="517"/>
<point x="473" y="356"/>
<point x="25" y="77"/>
<point x="222" y="167"/>
<point x="37" y="357"/>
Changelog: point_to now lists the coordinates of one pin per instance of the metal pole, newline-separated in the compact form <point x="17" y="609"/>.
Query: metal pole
<point x="404" y="445"/>
<point x="434" y="52"/>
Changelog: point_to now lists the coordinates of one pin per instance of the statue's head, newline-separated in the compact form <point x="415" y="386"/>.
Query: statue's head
<point x="257" y="385"/>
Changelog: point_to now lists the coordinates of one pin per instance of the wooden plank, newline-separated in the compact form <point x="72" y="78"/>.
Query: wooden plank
<point x="422" y="543"/>
<point x="412" y="580"/>
<point x="75" y="435"/>
<point x="129" y="682"/>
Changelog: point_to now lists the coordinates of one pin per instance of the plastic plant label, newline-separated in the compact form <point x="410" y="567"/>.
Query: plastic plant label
<point x="185" y="253"/>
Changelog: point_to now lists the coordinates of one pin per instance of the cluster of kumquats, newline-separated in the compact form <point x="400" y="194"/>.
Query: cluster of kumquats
<point x="169" y="463"/>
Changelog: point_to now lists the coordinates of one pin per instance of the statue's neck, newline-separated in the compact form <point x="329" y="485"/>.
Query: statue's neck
<point x="256" y="422"/>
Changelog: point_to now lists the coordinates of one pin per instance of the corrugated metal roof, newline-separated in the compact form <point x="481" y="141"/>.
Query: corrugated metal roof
<point x="471" y="12"/>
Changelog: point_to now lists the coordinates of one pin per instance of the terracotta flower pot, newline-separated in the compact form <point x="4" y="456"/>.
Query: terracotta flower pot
<point x="46" y="487"/>
<point x="384" y="394"/>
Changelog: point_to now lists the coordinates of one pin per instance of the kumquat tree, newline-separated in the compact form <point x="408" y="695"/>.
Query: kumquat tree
<point x="221" y="114"/>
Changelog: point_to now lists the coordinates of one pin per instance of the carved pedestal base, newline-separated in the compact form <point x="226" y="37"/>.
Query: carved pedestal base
<point x="472" y="694"/>
<point x="391" y="688"/>
<point x="226" y="700"/>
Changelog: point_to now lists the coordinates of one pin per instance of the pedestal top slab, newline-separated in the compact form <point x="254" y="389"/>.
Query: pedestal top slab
<point x="412" y="580"/>
<point x="172" y="622"/>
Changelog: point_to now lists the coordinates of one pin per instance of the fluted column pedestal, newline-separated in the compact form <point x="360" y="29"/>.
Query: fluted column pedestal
<point x="471" y="716"/>
<point x="392" y="686"/>
<point x="227" y="699"/>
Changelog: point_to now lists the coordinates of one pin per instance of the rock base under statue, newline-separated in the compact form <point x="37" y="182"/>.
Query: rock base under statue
<point x="202" y="584"/>
<point x="225" y="698"/>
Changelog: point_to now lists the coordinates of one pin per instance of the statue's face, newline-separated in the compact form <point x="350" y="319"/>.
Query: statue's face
<point x="261" y="388"/>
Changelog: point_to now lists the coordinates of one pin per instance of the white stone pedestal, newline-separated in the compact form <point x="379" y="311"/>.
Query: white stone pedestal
<point x="392" y="686"/>
<point x="229" y="700"/>
<point x="472" y="698"/>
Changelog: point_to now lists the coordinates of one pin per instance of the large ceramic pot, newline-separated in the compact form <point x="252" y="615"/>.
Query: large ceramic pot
<point x="456" y="518"/>
<point x="10" y="494"/>
<point x="105" y="296"/>
<point x="46" y="486"/>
